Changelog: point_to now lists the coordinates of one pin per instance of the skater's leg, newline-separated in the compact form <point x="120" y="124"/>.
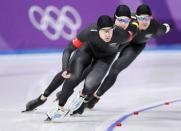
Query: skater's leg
<point x="86" y="72"/>
<point x="93" y="81"/>
<point x="77" y="67"/>
<point x="126" y="57"/>
<point x="94" y="78"/>
<point x="56" y="82"/>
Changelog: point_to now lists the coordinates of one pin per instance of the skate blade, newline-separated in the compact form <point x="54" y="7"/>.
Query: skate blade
<point x="75" y="115"/>
<point x="48" y="119"/>
<point x="59" y="120"/>
<point x="68" y="113"/>
<point x="26" y="111"/>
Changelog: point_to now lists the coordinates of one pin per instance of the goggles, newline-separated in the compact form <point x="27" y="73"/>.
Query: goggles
<point x="143" y="18"/>
<point x="123" y="19"/>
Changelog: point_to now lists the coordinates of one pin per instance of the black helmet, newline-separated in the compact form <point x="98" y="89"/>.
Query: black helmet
<point x="143" y="9"/>
<point x="123" y="10"/>
<point x="104" y="21"/>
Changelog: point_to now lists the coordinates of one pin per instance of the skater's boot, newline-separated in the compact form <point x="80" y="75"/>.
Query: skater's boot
<point x="31" y="105"/>
<point x="93" y="101"/>
<point x="77" y="102"/>
<point x="80" y="110"/>
<point x="56" y="114"/>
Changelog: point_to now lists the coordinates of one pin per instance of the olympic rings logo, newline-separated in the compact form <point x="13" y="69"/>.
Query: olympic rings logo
<point x="57" y="20"/>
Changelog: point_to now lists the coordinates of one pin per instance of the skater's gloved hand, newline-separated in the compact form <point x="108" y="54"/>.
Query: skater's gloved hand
<point x="66" y="74"/>
<point x="169" y="26"/>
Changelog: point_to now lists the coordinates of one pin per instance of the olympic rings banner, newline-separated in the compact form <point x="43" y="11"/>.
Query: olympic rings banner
<point x="51" y="24"/>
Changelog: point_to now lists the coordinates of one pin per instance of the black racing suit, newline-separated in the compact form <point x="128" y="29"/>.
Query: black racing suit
<point x="96" y="50"/>
<point x="128" y="54"/>
<point x="73" y="47"/>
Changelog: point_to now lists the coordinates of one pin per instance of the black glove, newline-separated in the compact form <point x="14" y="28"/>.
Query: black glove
<point x="168" y="26"/>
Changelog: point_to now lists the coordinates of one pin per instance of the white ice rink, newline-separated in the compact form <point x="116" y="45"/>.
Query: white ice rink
<point x="153" y="78"/>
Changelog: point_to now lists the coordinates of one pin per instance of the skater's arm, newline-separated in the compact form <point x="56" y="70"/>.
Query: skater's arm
<point x="132" y="28"/>
<point x="162" y="28"/>
<point x="74" y="44"/>
<point x="128" y="34"/>
<point x="78" y="42"/>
